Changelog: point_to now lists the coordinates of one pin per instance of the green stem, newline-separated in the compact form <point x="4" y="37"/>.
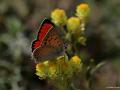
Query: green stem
<point x="62" y="84"/>
<point x="61" y="81"/>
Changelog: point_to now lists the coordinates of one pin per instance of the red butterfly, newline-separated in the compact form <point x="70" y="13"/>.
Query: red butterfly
<point x="49" y="43"/>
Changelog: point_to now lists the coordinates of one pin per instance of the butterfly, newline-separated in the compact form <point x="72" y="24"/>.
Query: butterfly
<point x="49" y="43"/>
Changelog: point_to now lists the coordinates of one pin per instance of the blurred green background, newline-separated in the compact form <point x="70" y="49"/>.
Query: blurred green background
<point x="19" y="20"/>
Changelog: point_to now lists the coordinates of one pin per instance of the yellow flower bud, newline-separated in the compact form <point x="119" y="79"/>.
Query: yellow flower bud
<point x="40" y="70"/>
<point x="46" y="63"/>
<point x="59" y="17"/>
<point x="73" y="23"/>
<point x="82" y="40"/>
<point x="82" y="10"/>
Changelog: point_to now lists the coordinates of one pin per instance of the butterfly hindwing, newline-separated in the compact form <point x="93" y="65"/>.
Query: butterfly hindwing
<point x="47" y="52"/>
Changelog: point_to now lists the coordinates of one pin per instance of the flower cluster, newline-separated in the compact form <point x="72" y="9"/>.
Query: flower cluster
<point x="75" y="24"/>
<point x="52" y="69"/>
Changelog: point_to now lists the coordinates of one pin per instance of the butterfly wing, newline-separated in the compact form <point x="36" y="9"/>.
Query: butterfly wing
<point x="45" y="27"/>
<point x="47" y="53"/>
<point x="53" y="38"/>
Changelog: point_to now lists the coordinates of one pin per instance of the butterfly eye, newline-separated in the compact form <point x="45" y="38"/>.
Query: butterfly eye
<point x="65" y="45"/>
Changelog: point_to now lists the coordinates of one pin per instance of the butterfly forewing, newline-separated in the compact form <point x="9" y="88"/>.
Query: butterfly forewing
<point x="45" y="27"/>
<point x="54" y="39"/>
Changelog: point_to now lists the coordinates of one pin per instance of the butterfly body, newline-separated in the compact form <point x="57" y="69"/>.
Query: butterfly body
<point x="49" y="43"/>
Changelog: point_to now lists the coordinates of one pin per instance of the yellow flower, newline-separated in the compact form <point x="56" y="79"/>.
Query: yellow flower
<point x="59" y="17"/>
<point x="76" y="60"/>
<point x="52" y="69"/>
<point x="73" y="23"/>
<point x="40" y="70"/>
<point x="82" y="10"/>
